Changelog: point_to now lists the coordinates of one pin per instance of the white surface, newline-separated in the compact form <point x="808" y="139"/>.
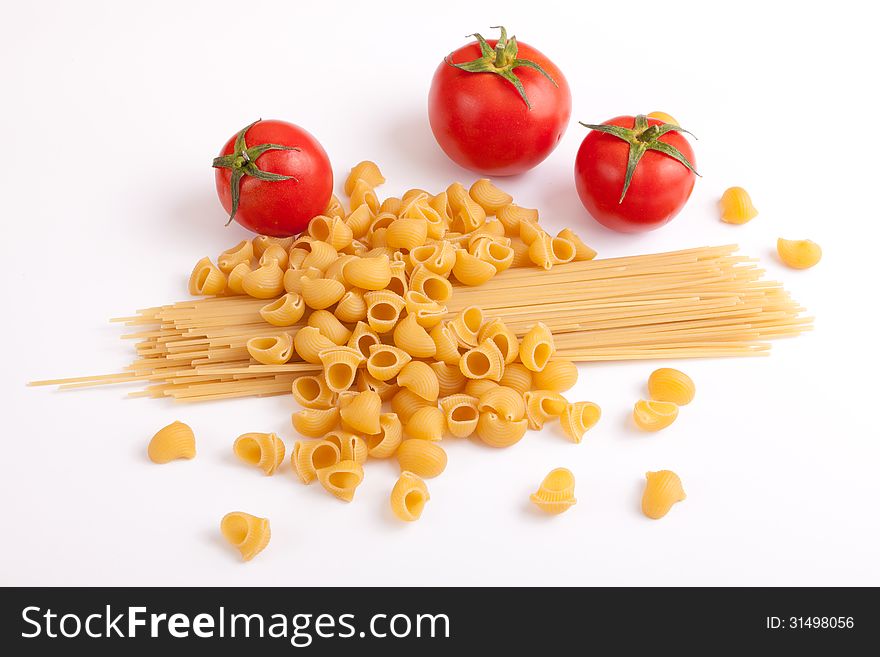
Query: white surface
<point x="111" y="115"/>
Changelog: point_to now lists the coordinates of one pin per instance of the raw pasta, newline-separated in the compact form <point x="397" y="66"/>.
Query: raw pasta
<point x="175" y="441"/>
<point x="246" y="533"/>
<point x="556" y="492"/>
<point x="424" y="458"/>
<point x="263" y="450"/>
<point x="670" y="385"/>
<point x="408" y="497"/>
<point x="342" y="479"/>
<point x="652" y="415"/>
<point x="662" y="490"/>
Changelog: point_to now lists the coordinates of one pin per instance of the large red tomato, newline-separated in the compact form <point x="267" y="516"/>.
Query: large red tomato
<point x="498" y="107"/>
<point x="634" y="173"/>
<point x="273" y="177"/>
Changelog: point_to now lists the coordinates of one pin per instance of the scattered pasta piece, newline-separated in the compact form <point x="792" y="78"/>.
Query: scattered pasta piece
<point x="556" y="492"/>
<point x="662" y="490"/>
<point x="176" y="441"/>
<point x="578" y="418"/>
<point x="670" y="385"/>
<point x="424" y="458"/>
<point x="271" y="349"/>
<point x="309" y="457"/>
<point x="652" y="415"/>
<point x="342" y="479"/>
<point x="408" y="497"/>
<point x="798" y="254"/>
<point x="264" y="450"/>
<point x="736" y="206"/>
<point x="246" y="533"/>
<point x="663" y="116"/>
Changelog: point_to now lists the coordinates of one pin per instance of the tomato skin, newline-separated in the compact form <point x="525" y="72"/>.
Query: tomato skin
<point x="481" y="122"/>
<point x="285" y="207"/>
<point x="659" y="188"/>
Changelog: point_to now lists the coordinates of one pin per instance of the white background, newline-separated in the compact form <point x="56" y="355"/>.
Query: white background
<point x="111" y="115"/>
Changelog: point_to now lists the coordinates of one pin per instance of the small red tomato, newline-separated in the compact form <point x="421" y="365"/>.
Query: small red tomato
<point x="273" y="177"/>
<point x="498" y="107"/>
<point x="634" y="173"/>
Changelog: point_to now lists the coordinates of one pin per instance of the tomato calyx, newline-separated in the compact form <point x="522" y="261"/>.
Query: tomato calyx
<point x="501" y="60"/>
<point x="242" y="162"/>
<point x="641" y="139"/>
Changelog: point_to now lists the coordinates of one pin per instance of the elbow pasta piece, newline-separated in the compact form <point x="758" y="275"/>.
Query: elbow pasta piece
<point x="438" y="258"/>
<point x="654" y="415"/>
<point x="206" y="279"/>
<point x="405" y="403"/>
<point x="385" y="389"/>
<point x="342" y="479"/>
<point x="461" y="414"/>
<point x="352" y="307"/>
<point x="175" y="441"/>
<point x="362" y="193"/>
<point x="541" y="251"/>
<point x="543" y="405"/>
<point x="271" y="349"/>
<point x="500" y="256"/>
<point x="440" y="203"/>
<point x="293" y="278"/>
<point x="246" y="533"/>
<point x="578" y="418"/>
<point x="456" y="194"/>
<point x="537" y="347"/>
<point x="359" y="221"/>
<point x="469" y="217"/>
<point x="366" y="171"/>
<point x="235" y="280"/>
<point x="478" y="387"/>
<point x="424" y="308"/>
<point x="399" y="284"/>
<point x="408" y="497"/>
<point x="334" y="207"/>
<point x="315" y="422"/>
<point x="483" y="362"/>
<point x="558" y="375"/>
<point x="413" y="194"/>
<point x="556" y="493"/>
<point x="311" y="391"/>
<point x="489" y="197"/>
<point x="274" y="252"/>
<point x="427" y="423"/>
<point x="424" y="458"/>
<point x="505" y="402"/>
<point x="430" y="284"/>
<point x="495" y="431"/>
<point x="340" y="367"/>
<point x="344" y="398"/>
<point x="321" y="255"/>
<point x="510" y="216"/>
<point x="351" y="447"/>
<point x="412" y="337"/>
<point x="321" y="293"/>
<point x="336" y="269"/>
<point x="798" y="254"/>
<point x="386" y="362"/>
<point x="662" y="490"/>
<point x="449" y="378"/>
<point x="262" y="242"/>
<point x="562" y="250"/>
<point x="670" y="385"/>
<point x="265" y="282"/>
<point x="736" y="206"/>
<point x="445" y="345"/>
<point x="363" y="339"/>
<point x="296" y="257"/>
<point x="372" y="273"/>
<point x="470" y="270"/>
<point x="376" y="237"/>
<point x="243" y="252"/>
<point x="332" y="230"/>
<point x="383" y="310"/>
<point x="362" y="413"/>
<point x="286" y="310"/>
<point x="310" y="456"/>
<point x="309" y="342"/>
<point x="466" y="325"/>
<point x="582" y="252"/>
<point x="406" y="233"/>
<point x="529" y="231"/>
<point x="504" y="339"/>
<point x="520" y="254"/>
<point x="418" y="377"/>
<point x="329" y="326"/>
<point x="384" y="444"/>
<point x="391" y="205"/>
<point x="517" y="376"/>
<point x="662" y="116"/>
<point x="264" y="450"/>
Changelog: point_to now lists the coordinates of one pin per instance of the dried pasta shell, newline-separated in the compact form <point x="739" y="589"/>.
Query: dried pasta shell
<point x="243" y="252"/>
<point x="366" y="171"/>
<point x="543" y="405"/>
<point x="399" y="284"/>
<point x="483" y="362"/>
<point x="424" y="458"/>
<point x="262" y="242"/>
<point x="518" y="377"/>
<point x="246" y="533"/>
<point x="309" y="342"/>
<point x="340" y="367"/>
<point x="562" y="250"/>
<point x="798" y="254"/>
<point x="412" y="337"/>
<point x="433" y="286"/>
<point x="496" y="254"/>
<point x="654" y="415"/>
<point x="440" y="203"/>
<point x="469" y="217"/>
<point x="466" y="326"/>
<point x="438" y="258"/>
<point x="311" y="391"/>
<point x="293" y="278"/>
<point x="408" y="497"/>
<point x="461" y="414"/>
<point x="287" y="310"/>
<point x="510" y="216"/>
<point x="578" y="418"/>
<point x="449" y="378"/>
<point x="264" y="450"/>
<point x="670" y="385"/>
<point x="235" y="280"/>
<point x="418" y="377"/>
<point x="175" y="441"/>
<point x="495" y="431"/>
<point x="363" y="339"/>
<point x="505" y="402"/>
<point x="351" y="447"/>
<point x="426" y="423"/>
<point x="391" y="205"/>
<point x="362" y="414"/>
<point x="352" y="307"/>
<point x="520" y="253"/>
<point x="385" y="443"/>
<point x="662" y="490"/>
<point x="736" y="206"/>
<point x="359" y="221"/>
<point x="275" y="252"/>
<point x="663" y="116"/>
<point x="329" y="326"/>
<point x="541" y="251"/>
<point x="537" y="347"/>
<point x="556" y="493"/>
<point x="334" y="207"/>
<point x="206" y="279"/>
<point x="332" y="230"/>
<point x="271" y="349"/>
<point x="385" y="389"/>
<point x="582" y="252"/>
<point x="405" y="403"/>
<point x="320" y="293"/>
<point x="383" y="310"/>
<point x="372" y="273"/>
<point x="558" y="375"/>
<point x="362" y="193"/>
<point x="504" y="338"/>
<point x="407" y="233"/>
<point x="315" y="422"/>
<point x="478" y="387"/>
<point x="308" y="457"/>
<point x="265" y="282"/>
<point x="342" y="479"/>
<point x="470" y="270"/>
<point x="489" y="197"/>
<point x="529" y="231"/>
<point x="385" y="361"/>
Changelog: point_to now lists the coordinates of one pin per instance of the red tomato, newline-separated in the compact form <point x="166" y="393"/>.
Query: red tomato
<point x="660" y="184"/>
<point x="279" y="174"/>
<point x="480" y="119"/>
